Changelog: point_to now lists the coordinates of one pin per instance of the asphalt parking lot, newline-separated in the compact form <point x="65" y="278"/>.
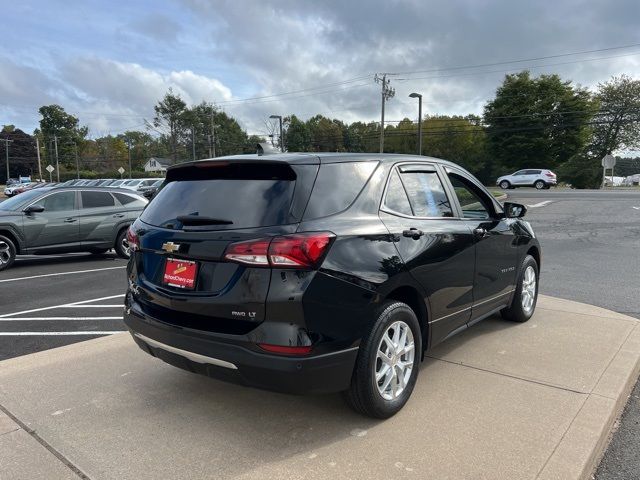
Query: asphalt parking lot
<point x="50" y="301"/>
<point x="590" y="244"/>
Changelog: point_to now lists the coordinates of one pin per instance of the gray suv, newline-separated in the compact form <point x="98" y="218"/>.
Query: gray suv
<point x="67" y="219"/>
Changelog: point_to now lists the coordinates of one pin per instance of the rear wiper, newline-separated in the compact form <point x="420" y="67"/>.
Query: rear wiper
<point x="202" y="220"/>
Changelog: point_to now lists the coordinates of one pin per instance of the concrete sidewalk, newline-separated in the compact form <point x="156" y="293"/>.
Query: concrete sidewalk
<point x="502" y="400"/>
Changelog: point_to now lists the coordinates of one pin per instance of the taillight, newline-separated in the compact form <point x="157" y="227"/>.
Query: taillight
<point x="300" y="250"/>
<point x="252" y="252"/>
<point x="133" y="240"/>
<point x="285" y="350"/>
<point x="550" y="174"/>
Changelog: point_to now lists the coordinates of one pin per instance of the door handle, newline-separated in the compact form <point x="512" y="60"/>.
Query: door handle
<point x="413" y="233"/>
<point x="70" y="220"/>
<point x="118" y="215"/>
<point x="480" y="232"/>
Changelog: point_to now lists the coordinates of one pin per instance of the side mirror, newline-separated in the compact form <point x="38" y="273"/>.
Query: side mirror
<point x="34" y="209"/>
<point x="514" y="210"/>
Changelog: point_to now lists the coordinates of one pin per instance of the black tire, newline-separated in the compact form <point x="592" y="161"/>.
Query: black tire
<point x="505" y="185"/>
<point x="120" y="248"/>
<point x="7" y="252"/>
<point x="516" y="312"/>
<point x="540" y="185"/>
<point x="363" y="394"/>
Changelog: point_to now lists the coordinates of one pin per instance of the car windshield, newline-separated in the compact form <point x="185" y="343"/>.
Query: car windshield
<point x="13" y="203"/>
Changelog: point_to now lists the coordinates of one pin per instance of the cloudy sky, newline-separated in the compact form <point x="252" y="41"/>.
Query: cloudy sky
<point x="109" y="62"/>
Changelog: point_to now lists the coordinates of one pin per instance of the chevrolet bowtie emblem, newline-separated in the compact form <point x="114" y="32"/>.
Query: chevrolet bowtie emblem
<point x="170" y="247"/>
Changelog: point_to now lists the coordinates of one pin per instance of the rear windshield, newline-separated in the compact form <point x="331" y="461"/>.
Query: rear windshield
<point x="247" y="195"/>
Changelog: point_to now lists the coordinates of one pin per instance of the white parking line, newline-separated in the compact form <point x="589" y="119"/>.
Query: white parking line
<point x="58" y="306"/>
<point x="541" y="204"/>
<point x="61" y="273"/>
<point x="35" y="334"/>
<point x="20" y="319"/>
<point x="120" y="305"/>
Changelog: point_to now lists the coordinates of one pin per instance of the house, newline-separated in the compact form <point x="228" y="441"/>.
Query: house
<point x="155" y="164"/>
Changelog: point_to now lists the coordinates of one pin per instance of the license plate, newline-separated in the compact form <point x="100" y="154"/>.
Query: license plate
<point x="180" y="273"/>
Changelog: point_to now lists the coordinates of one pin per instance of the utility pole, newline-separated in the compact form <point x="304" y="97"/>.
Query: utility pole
<point x="39" y="163"/>
<point x="55" y="141"/>
<point x="6" y="151"/>
<point x="193" y="142"/>
<point x="75" y="151"/>
<point x="387" y="92"/>
<point x="212" y="144"/>
<point x="129" y="153"/>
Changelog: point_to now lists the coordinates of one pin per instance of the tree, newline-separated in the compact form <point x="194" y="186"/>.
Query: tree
<point x="326" y="135"/>
<point x="22" y="153"/>
<point x="58" y="126"/>
<point x="618" y="120"/>
<point x="459" y="139"/>
<point x="171" y="113"/>
<point x="537" y="122"/>
<point x="616" y="126"/>
<point x="143" y="146"/>
<point x="297" y="135"/>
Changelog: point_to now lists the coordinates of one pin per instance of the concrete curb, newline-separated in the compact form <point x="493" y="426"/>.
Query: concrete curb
<point x="577" y="456"/>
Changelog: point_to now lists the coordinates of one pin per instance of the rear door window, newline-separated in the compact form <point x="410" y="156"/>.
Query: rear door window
<point x="396" y="199"/>
<point x="426" y="193"/>
<point x="245" y="195"/>
<point x="97" y="200"/>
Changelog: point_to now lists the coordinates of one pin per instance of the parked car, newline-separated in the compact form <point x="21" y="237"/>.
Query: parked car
<point x="148" y="190"/>
<point x="316" y="273"/>
<point x="30" y="186"/>
<point x="539" y="178"/>
<point x="66" y="219"/>
<point x="135" y="183"/>
<point x="11" y="190"/>
<point x="117" y="183"/>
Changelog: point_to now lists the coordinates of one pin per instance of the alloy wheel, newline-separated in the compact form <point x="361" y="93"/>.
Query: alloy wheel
<point x="5" y="253"/>
<point x="528" y="295"/>
<point x="394" y="360"/>
<point x="539" y="185"/>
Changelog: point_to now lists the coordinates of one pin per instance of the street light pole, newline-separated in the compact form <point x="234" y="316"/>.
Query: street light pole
<point x="279" y="117"/>
<point x="419" y="97"/>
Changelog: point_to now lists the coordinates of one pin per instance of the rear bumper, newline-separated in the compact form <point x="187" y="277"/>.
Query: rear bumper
<point x="213" y="357"/>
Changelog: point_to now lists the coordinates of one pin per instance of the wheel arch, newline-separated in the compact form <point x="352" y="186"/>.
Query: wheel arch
<point x="119" y="228"/>
<point x="534" y="251"/>
<point x="412" y="297"/>
<point x="14" y="238"/>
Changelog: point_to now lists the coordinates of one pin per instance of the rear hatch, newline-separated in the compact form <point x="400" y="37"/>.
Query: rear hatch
<point x="183" y="234"/>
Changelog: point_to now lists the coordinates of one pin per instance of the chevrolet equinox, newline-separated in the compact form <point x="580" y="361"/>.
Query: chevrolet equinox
<point x="317" y="273"/>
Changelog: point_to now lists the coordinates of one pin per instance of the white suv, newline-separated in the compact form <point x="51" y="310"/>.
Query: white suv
<point x="538" y="178"/>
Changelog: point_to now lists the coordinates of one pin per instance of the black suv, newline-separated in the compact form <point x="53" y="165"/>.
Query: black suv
<point x="316" y="273"/>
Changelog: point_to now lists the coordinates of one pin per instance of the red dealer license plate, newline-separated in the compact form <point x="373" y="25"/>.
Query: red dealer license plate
<point x="180" y="273"/>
